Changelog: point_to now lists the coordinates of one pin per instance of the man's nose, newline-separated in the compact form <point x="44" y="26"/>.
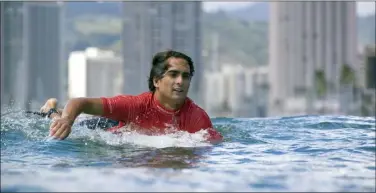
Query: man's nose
<point x="179" y="79"/>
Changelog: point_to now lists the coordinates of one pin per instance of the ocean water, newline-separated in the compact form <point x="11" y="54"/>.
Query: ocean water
<point x="300" y="153"/>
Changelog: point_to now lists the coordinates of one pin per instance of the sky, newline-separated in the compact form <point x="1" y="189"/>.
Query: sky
<point x="363" y="8"/>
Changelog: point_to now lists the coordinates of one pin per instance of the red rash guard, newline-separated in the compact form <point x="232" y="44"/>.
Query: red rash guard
<point x="151" y="117"/>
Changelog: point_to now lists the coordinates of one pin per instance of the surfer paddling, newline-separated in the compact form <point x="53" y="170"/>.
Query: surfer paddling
<point x="163" y="107"/>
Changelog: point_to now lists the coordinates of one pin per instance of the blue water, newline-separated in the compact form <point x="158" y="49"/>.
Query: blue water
<point x="301" y="153"/>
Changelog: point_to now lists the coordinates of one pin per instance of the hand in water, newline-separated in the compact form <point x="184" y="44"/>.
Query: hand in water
<point x="60" y="128"/>
<point x="50" y="104"/>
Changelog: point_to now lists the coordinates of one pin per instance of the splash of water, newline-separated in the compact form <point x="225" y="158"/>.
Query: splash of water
<point x="36" y="128"/>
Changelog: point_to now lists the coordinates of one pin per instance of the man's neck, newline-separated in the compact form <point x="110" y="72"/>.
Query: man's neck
<point x="168" y="104"/>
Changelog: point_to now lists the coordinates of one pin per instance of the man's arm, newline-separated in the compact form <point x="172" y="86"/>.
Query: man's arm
<point x="120" y="108"/>
<point x="202" y="121"/>
<point x="123" y="107"/>
<point x="213" y="135"/>
<point x="76" y="106"/>
<point x="60" y="128"/>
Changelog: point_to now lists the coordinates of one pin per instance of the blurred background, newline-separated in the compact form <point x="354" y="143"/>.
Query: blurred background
<point x="252" y="59"/>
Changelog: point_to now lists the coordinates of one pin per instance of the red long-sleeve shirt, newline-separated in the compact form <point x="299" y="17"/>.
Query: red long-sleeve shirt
<point x="152" y="118"/>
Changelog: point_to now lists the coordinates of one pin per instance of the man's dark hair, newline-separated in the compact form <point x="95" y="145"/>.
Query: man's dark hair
<point x="160" y="65"/>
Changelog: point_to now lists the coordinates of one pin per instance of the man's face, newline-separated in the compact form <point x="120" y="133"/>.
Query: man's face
<point x="176" y="81"/>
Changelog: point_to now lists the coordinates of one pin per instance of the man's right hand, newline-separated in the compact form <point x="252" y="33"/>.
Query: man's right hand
<point x="60" y="128"/>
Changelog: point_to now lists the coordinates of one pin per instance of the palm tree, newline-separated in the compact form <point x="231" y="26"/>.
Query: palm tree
<point x="347" y="87"/>
<point x="320" y="83"/>
<point x="347" y="75"/>
<point x="320" y="86"/>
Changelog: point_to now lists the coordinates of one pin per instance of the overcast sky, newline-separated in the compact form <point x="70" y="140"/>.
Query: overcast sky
<point x="363" y="8"/>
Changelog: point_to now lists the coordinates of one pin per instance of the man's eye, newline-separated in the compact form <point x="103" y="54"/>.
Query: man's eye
<point x="186" y="76"/>
<point x="174" y="74"/>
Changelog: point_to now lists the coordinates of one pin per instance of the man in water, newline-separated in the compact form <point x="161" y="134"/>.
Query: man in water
<point x="164" y="108"/>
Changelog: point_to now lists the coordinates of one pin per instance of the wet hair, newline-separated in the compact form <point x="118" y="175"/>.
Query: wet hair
<point x="160" y="65"/>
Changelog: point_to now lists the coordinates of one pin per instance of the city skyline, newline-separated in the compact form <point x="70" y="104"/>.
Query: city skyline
<point x="153" y="26"/>
<point x="362" y="8"/>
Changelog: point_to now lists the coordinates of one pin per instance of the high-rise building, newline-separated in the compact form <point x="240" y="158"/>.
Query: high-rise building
<point x="151" y="27"/>
<point x="215" y="93"/>
<point x="45" y="52"/>
<point x="305" y="37"/>
<point x="31" y="53"/>
<point x="95" y="73"/>
<point x="12" y="54"/>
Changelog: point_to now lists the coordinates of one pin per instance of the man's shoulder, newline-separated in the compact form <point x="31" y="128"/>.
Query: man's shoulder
<point x="195" y="108"/>
<point x="142" y="98"/>
<point x="197" y="117"/>
<point x="143" y="95"/>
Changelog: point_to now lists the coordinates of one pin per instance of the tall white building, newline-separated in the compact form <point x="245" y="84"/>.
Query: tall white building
<point x="95" y="73"/>
<point x="256" y="91"/>
<point x="304" y="37"/>
<point x="236" y="91"/>
<point x="234" y="81"/>
<point x="214" y="95"/>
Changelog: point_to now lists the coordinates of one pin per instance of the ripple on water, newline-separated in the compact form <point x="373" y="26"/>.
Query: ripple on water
<point x="302" y="153"/>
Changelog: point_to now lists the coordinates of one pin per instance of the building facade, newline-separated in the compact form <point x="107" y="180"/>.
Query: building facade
<point x="151" y="27"/>
<point x="95" y="73"/>
<point x="45" y="52"/>
<point x="12" y="54"/>
<point x="31" y="53"/>
<point x="306" y="37"/>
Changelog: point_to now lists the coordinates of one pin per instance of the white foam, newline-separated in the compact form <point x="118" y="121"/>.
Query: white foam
<point x="176" y="139"/>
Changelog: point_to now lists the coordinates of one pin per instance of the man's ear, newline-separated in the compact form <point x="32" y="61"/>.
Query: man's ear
<point x="156" y="82"/>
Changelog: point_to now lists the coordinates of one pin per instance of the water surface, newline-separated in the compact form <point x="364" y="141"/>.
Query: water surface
<point x="301" y="153"/>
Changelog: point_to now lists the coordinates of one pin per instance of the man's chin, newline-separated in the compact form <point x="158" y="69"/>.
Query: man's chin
<point x="178" y="97"/>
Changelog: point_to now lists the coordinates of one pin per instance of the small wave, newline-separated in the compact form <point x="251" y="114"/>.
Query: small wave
<point x="191" y="180"/>
<point x="176" y="139"/>
<point x="339" y="125"/>
<point x="36" y="128"/>
<point x="130" y="137"/>
<point x="368" y="148"/>
<point x="302" y="153"/>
